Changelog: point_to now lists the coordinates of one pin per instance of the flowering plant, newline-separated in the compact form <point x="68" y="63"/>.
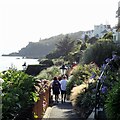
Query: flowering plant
<point x="110" y="75"/>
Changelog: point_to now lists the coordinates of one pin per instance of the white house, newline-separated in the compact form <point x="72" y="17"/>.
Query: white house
<point x="116" y="35"/>
<point x="100" y="30"/>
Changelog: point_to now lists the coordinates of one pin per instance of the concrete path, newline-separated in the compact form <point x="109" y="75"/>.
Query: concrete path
<point x="61" y="111"/>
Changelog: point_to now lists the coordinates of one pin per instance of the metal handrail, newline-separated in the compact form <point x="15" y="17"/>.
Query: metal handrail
<point x="98" y="90"/>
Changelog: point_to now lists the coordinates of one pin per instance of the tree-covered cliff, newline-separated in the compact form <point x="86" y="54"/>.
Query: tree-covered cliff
<point x="43" y="47"/>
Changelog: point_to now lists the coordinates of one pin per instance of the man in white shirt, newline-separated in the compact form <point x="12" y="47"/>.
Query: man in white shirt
<point x="63" y="83"/>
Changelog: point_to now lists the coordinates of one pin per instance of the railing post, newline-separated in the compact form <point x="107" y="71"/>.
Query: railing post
<point x="38" y="108"/>
<point x="46" y="99"/>
<point x="42" y="104"/>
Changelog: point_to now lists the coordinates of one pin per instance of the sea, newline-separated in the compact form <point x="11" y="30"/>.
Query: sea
<point x="7" y="62"/>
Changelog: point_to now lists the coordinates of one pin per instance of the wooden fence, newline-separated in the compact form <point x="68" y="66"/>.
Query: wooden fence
<point x="42" y="104"/>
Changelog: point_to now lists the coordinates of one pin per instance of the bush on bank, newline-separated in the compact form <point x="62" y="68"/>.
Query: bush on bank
<point x="112" y="104"/>
<point x="81" y="88"/>
<point x="99" y="51"/>
<point x="49" y="73"/>
<point x="18" y="94"/>
<point x="81" y="75"/>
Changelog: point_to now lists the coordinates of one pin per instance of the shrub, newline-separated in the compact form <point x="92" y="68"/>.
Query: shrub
<point x="49" y="73"/>
<point x="81" y="74"/>
<point x="46" y="62"/>
<point x="58" y="62"/>
<point x="75" y="93"/>
<point x="99" y="51"/>
<point x="18" y="94"/>
<point x="83" y="97"/>
<point x="112" y="106"/>
<point x="108" y="35"/>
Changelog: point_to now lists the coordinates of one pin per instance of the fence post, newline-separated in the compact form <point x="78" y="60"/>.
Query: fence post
<point x="38" y="107"/>
<point x="42" y="104"/>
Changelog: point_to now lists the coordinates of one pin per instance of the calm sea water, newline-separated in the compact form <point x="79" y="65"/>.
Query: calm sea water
<point x="16" y="62"/>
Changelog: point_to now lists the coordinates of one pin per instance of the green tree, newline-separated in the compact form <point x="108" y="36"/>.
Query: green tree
<point x="108" y="35"/>
<point x="86" y="38"/>
<point x="65" y="46"/>
<point x="92" y="40"/>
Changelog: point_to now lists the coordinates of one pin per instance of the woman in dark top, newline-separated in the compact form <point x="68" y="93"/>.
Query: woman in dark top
<point x="56" y="88"/>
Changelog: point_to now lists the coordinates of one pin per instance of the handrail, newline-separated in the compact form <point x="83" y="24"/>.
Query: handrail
<point x="98" y="89"/>
<point x="99" y="86"/>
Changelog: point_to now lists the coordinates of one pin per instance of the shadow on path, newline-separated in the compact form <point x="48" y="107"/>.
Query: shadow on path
<point x="63" y="111"/>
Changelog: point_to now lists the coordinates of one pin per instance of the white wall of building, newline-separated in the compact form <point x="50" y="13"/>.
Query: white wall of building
<point x="116" y="35"/>
<point x="98" y="29"/>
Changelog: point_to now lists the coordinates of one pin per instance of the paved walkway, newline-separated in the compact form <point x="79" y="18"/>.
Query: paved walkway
<point x="62" y="111"/>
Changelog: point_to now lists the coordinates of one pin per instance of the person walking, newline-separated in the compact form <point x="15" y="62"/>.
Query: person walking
<point x="56" y="88"/>
<point x="63" y="83"/>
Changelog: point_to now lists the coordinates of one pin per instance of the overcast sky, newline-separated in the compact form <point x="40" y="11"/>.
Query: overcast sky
<point x="24" y="21"/>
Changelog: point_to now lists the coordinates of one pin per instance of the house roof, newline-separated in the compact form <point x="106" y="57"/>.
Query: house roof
<point x="104" y="31"/>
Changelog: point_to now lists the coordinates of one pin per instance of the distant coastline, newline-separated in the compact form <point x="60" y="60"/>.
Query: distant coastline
<point x="17" y="55"/>
<point x="7" y="62"/>
<point x="11" y="54"/>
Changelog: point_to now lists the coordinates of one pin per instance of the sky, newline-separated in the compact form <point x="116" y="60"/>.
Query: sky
<point x="24" y="21"/>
